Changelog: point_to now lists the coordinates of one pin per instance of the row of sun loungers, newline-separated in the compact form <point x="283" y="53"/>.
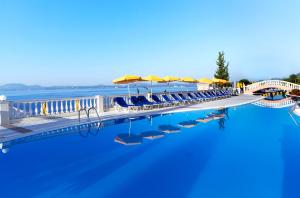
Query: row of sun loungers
<point x="172" y="99"/>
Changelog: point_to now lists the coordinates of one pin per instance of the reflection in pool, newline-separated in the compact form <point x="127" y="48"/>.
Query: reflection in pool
<point x="247" y="151"/>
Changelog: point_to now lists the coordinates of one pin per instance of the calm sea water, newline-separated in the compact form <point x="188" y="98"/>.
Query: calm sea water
<point x="82" y="92"/>
<point x="251" y="152"/>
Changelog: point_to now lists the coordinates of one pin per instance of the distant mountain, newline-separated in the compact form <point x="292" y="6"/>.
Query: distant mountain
<point x="19" y="86"/>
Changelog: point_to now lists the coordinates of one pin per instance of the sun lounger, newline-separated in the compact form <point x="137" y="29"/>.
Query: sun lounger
<point x="156" y="99"/>
<point x="184" y="98"/>
<point x="145" y="101"/>
<point x="179" y="100"/>
<point x="120" y="103"/>
<point x="193" y="97"/>
<point x="167" y="99"/>
<point x="135" y="101"/>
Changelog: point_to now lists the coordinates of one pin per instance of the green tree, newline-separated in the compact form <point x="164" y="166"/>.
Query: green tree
<point x="245" y="81"/>
<point x="222" y="70"/>
<point x="293" y="78"/>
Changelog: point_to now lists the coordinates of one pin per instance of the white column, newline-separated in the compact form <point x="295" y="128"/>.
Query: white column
<point x="4" y="113"/>
<point x="100" y="104"/>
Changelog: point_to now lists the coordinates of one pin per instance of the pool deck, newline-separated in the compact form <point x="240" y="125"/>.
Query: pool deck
<point x="36" y="125"/>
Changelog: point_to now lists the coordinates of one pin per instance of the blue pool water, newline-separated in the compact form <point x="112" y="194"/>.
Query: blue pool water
<point x="251" y="152"/>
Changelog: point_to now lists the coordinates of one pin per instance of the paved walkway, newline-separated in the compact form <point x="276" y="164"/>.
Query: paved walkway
<point x="36" y="125"/>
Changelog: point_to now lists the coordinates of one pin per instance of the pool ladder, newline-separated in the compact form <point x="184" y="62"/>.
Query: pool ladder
<point x="87" y="112"/>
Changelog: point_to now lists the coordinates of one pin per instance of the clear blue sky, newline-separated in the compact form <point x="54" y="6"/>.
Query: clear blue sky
<point x="56" y="42"/>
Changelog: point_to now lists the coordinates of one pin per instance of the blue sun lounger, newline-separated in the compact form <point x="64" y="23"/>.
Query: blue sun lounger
<point x="184" y="98"/>
<point x="203" y="96"/>
<point x="208" y="95"/>
<point x="179" y="99"/>
<point x="146" y="102"/>
<point x="167" y="99"/>
<point x="120" y="102"/>
<point x="135" y="101"/>
<point x="193" y="97"/>
<point x="156" y="99"/>
<point x="198" y="95"/>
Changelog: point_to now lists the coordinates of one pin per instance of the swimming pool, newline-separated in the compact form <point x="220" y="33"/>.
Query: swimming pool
<point x="250" y="152"/>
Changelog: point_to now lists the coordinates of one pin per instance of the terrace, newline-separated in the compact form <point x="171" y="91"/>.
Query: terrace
<point x="25" y="118"/>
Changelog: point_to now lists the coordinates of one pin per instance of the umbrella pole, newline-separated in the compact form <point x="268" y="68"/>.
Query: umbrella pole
<point x="151" y="91"/>
<point x="128" y="90"/>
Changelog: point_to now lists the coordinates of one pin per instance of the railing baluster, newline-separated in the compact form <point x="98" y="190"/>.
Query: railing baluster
<point x="61" y="106"/>
<point x="51" y="107"/>
<point x="66" y="106"/>
<point x="30" y="109"/>
<point x="41" y="108"/>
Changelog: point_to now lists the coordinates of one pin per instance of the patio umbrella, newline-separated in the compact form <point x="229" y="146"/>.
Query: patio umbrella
<point x="153" y="78"/>
<point x="127" y="79"/>
<point x="128" y="139"/>
<point x="217" y="80"/>
<point x="188" y="80"/>
<point x="205" y="80"/>
<point x="169" y="79"/>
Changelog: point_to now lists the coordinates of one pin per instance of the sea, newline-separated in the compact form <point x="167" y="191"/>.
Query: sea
<point x="47" y="93"/>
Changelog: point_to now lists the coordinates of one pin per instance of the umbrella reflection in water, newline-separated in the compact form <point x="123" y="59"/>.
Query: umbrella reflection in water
<point x="188" y="124"/>
<point x="152" y="134"/>
<point x="129" y="139"/>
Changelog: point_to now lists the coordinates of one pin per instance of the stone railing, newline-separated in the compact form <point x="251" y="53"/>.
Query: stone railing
<point x="279" y="84"/>
<point x="14" y="110"/>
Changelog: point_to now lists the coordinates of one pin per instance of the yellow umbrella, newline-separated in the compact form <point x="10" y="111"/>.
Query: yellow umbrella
<point x="205" y="80"/>
<point x="127" y="79"/>
<point x="188" y="80"/>
<point x="217" y="80"/>
<point x="170" y="79"/>
<point x="153" y="78"/>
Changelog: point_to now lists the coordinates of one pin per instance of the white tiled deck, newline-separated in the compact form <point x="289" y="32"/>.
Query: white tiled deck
<point x="30" y="126"/>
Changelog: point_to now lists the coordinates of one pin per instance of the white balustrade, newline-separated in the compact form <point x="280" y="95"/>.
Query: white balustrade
<point x="22" y="109"/>
<point x="284" y="85"/>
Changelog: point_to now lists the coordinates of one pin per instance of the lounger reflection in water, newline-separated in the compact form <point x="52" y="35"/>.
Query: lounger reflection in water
<point x="188" y="124"/>
<point x="128" y="139"/>
<point x="205" y="119"/>
<point x="169" y="129"/>
<point x="152" y="134"/>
